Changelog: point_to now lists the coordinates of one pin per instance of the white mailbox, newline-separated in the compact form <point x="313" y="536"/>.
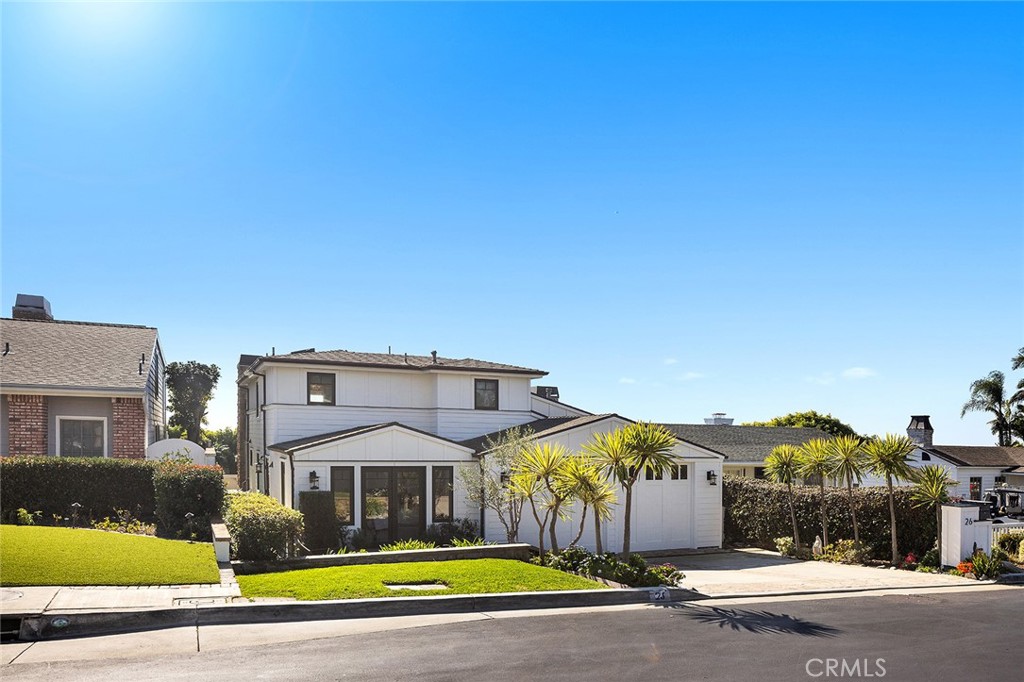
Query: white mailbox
<point x="963" y="531"/>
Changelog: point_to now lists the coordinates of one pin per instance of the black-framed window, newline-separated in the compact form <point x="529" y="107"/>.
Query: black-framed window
<point x="84" y="437"/>
<point x="343" y="487"/>
<point x="486" y="392"/>
<point x="975" y="487"/>
<point x="759" y="472"/>
<point x="679" y="472"/>
<point x="442" y="493"/>
<point x="925" y="457"/>
<point x="319" y="388"/>
<point x="1000" y="479"/>
<point x="652" y="475"/>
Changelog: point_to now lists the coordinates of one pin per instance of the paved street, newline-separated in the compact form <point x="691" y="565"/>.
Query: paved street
<point x="940" y="635"/>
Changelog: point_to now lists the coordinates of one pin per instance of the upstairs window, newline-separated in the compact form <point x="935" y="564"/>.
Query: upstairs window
<point x="486" y="394"/>
<point x="319" y="388"/>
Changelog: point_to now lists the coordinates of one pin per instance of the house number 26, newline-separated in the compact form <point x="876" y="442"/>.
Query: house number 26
<point x="968" y="522"/>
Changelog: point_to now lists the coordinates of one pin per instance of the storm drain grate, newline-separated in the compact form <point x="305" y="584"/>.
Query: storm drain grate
<point x="10" y="628"/>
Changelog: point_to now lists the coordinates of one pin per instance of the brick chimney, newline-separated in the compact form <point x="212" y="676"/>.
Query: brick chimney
<point x="920" y="430"/>
<point x="28" y="307"/>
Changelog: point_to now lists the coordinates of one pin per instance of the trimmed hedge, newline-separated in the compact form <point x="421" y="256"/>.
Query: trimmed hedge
<point x="183" y="489"/>
<point x="321" y="521"/>
<point x="757" y="512"/>
<point x="52" y="484"/>
<point x="261" y="527"/>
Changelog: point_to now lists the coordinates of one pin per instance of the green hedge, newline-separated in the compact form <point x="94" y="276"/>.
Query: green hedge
<point x="183" y="489"/>
<point x="321" y="521"/>
<point x="261" y="527"/>
<point x="52" y="484"/>
<point x="757" y="512"/>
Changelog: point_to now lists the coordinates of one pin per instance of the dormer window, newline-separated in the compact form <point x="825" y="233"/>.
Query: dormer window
<point x="486" y="391"/>
<point x="319" y="388"/>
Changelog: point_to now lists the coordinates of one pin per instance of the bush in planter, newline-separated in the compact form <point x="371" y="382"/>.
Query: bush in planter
<point x="322" y="531"/>
<point x="261" y="527"/>
<point x="634" y="571"/>
<point x="182" y="489"/>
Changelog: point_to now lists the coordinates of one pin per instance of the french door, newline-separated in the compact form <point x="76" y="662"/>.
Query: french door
<point x="394" y="503"/>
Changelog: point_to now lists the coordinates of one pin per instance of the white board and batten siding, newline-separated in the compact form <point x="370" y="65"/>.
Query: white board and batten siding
<point x="392" y="446"/>
<point x="667" y="514"/>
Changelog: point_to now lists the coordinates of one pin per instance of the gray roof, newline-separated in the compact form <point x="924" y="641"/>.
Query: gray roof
<point x="540" y="428"/>
<point x="397" y="361"/>
<point x="292" y="446"/>
<point x="75" y="355"/>
<point x="743" y="443"/>
<point x="980" y="455"/>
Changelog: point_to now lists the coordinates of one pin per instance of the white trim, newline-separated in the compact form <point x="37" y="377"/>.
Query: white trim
<point x="62" y="417"/>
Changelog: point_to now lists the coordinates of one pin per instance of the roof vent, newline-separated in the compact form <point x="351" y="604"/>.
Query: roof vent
<point x="718" y="419"/>
<point x="27" y="307"/>
<point x="304" y="350"/>
<point x="549" y="392"/>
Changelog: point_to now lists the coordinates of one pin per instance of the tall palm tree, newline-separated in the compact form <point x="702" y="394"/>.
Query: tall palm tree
<point x="650" y="449"/>
<point x="989" y="395"/>
<point x="782" y="465"/>
<point x="848" y="466"/>
<point x="888" y="457"/>
<point x="610" y="455"/>
<point x="1018" y="360"/>
<point x="529" y="487"/>
<point x="546" y="461"/>
<point x="931" y="489"/>
<point x="816" y="462"/>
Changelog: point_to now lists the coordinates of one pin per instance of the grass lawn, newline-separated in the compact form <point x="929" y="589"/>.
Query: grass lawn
<point x="43" y="555"/>
<point x="467" y="576"/>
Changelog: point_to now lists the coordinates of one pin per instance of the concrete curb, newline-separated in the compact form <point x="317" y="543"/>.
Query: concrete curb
<point x="69" y="625"/>
<point x="840" y="590"/>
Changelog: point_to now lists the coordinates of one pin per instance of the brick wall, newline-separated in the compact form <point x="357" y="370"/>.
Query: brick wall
<point x="26" y="423"/>
<point x="129" y="432"/>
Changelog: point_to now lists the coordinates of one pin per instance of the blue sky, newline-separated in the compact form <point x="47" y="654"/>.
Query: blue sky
<point x="674" y="208"/>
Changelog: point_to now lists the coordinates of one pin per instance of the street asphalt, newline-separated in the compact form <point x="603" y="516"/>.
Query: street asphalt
<point x="932" y="636"/>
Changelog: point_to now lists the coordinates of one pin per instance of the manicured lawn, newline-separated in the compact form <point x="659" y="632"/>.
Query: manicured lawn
<point x="42" y="555"/>
<point x="468" y="576"/>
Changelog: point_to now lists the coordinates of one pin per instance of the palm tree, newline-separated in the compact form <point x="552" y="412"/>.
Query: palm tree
<point x="932" y="489"/>
<point x="815" y="461"/>
<point x="782" y="466"/>
<point x="583" y="478"/>
<point x="650" y="449"/>
<point x="626" y="453"/>
<point x="1018" y="360"/>
<point x="989" y="395"/>
<point x="888" y="457"/>
<point x="545" y="461"/>
<point x="848" y="466"/>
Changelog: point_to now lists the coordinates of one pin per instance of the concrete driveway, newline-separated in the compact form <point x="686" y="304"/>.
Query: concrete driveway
<point x="733" y="573"/>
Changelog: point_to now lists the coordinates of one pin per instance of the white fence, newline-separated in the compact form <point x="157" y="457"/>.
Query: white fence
<point x="1001" y="528"/>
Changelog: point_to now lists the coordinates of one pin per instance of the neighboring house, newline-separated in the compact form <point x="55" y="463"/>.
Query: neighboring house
<point x="975" y="468"/>
<point x="80" y="389"/>
<point x="744" y="447"/>
<point x="387" y="433"/>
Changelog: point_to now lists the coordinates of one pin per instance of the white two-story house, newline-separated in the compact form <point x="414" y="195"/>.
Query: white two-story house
<point x="387" y="434"/>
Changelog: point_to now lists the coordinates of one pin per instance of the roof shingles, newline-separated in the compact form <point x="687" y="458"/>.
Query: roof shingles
<point x="397" y="361"/>
<point x="75" y="355"/>
<point x="743" y="443"/>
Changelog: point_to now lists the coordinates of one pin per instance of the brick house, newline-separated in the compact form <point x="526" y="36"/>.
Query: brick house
<point x="78" y="388"/>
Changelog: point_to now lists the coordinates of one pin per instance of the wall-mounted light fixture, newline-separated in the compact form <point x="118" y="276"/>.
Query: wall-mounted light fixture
<point x="314" y="481"/>
<point x="712" y="478"/>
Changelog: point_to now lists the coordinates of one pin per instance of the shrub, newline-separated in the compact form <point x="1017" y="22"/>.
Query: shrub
<point x="634" y="571"/>
<point x="784" y="546"/>
<point x="986" y="566"/>
<point x="1010" y="541"/>
<point x="322" y="530"/>
<point x="930" y="559"/>
<point x="125" y="523"/>
<point x="475" y="542"/>
<point x="187" y="495"/>
<point x="401" y="545"/>
<point x="965" y="567"/>
<point x="844" y="552"/>
<point x="261" y="527"/>
<point x="100" y="485"/>
<point x="757" y="512"/>
<point x="361" y="540"/>
<point x="23" y="517"/>
<point x="444" y="534"/>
